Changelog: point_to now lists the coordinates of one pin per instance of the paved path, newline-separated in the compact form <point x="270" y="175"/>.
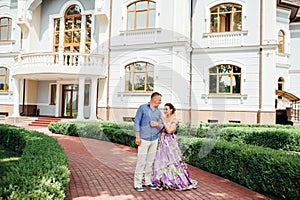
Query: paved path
<point x="104" y="171"/>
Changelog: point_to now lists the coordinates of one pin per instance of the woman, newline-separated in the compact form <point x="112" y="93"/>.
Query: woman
<point x="170" y="171"/>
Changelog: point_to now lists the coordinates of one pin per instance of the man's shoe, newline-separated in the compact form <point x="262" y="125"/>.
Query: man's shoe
<point x="151" y="186"/>
<point x="139" y="189"/>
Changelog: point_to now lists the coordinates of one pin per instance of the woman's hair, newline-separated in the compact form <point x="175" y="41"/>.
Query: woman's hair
<point x="171" y="107"/>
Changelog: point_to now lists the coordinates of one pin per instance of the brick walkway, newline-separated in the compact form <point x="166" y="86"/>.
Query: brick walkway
<point x="104" y="171"/>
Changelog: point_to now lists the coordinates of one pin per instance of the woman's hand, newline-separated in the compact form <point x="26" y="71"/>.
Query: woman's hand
<point x="153" y="123"/>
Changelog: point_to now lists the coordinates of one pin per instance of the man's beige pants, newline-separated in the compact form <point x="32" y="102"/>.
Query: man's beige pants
<point x="145" y="160"/>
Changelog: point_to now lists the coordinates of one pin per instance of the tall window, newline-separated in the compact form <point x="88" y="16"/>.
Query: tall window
<point x="281" y="41"/>
<point x="280" y="83"/>
<point x="87" y="94"/>
<point x="226" y="17"/>
<point x="141" y="15"/>
<point x="72" y="32"/>
<point x="225" y="79"/>
<point x="56" y="35"/>
<point x="5" y="28"/>
<point x="53" y="94"/>
<point x="88" y="31"/>
<point x="72" y="29"/>
<point x="139" y="77"/>
<point x="4" y="79"/>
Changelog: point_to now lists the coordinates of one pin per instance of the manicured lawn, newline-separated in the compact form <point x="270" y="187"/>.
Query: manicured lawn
<point x="6" y="158"/>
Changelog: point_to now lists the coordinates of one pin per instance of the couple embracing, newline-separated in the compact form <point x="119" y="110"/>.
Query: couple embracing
<point x="159" y="162"/>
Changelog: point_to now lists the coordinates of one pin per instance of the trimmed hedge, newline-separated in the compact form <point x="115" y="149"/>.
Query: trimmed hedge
<point x="121" y="133"/>
<point x="274" y="172"/>
<point x="275" y="138"/>
<point x="12" y="138"/>
<point x="272" y="136"/>
<point x="41" y="172"/>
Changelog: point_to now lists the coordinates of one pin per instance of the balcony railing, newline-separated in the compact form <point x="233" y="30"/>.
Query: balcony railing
<point x="140" y="36"/>
<point x="225" y="39"/>
<point x="60" y="62"/>
<point x="62" y="59"/>
<point x="283" y="59"/>
<point x="150" y="36"/>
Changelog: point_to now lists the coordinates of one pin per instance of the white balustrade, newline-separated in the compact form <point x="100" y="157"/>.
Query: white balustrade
<point x="283" y="59"/>
<point x="140" y="36"/>
<point x="225" y="39"/>
<point x="48" y="61"/>
<point x="70" y="59"/>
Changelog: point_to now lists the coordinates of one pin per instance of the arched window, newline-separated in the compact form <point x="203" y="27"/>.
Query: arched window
<point x="281" y="38"/>
<point x="72" y="31"/>
<point x="280" y="83"/>
<point x="5" y="28"/>
<point x="141" y="15"/>
<point x="139" y="77"/>
<point x="226" y="17"/>
<point x="225" y="79"/>
<point x="4" y="79"/>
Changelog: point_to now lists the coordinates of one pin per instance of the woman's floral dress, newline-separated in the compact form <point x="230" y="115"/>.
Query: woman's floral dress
<point x="170" y="172"/>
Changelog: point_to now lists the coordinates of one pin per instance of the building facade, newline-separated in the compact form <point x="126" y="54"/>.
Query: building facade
<point x="215" y="60"/>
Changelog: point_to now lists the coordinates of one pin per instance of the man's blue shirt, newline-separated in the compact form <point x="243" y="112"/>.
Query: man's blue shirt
<point x="142" y="120"/>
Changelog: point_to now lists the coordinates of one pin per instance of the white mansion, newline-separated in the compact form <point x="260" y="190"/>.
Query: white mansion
<point x="215" y="60"/>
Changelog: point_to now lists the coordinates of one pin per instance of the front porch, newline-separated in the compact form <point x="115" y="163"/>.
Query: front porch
<point x="58" y="84"/>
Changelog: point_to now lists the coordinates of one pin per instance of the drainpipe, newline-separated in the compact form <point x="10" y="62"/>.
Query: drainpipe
<point x="260" y="62"/>
<point x="191" y="64"/>
<point x="108" y="60"/>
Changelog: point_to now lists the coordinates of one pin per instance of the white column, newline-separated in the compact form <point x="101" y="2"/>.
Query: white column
<point x="57" y="105"/>
<point x="16" y="112"/>
<point x="81" y="98"/>
<point x="93" y="96"/>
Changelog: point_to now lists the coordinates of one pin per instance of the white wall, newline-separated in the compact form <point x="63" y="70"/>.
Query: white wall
<point x="294" y="71"/>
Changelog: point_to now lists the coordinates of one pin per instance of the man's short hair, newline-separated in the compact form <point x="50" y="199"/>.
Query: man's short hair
<point x="155" y="94"/>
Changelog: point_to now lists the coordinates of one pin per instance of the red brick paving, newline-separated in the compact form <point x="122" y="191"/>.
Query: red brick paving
<point x="104" y="171"/>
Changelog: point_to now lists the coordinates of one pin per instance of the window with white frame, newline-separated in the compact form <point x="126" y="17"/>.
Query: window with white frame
<point x="139" y="77"/>
<point x="141" y="15"/>
<point x="4" y="79"/>
<point x="226" y="17"/>
<point x="225" y="79"/>
<point x="5" y="28"/>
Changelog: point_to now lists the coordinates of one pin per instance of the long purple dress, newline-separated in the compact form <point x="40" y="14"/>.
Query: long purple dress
<point x="170" y="172"/>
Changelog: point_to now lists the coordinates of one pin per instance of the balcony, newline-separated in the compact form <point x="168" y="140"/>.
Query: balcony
<point x="148" y="37"/>
<point x="283" y="60"/>
<point x="59" y="64"/>
<point x="225" y="39"/>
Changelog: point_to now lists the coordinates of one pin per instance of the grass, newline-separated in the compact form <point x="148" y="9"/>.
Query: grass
<point x="7" y="158"/>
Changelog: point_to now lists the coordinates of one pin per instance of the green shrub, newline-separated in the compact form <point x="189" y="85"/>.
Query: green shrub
<point x="274" y="172"/>
<point x="275" y="138"/>
<point x="41" y="172"/>
<point x="11" y="138"/>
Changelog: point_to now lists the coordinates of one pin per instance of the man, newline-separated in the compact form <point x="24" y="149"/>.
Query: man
<point x="146" y="127"/>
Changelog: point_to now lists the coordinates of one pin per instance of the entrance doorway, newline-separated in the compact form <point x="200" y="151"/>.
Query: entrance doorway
<point x="70" y="101"/>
